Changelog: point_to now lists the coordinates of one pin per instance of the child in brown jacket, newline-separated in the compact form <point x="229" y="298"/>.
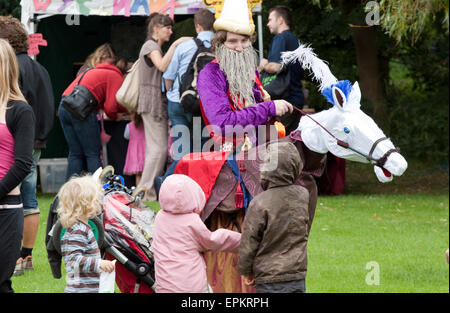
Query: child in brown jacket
<point x="272" y="253"/>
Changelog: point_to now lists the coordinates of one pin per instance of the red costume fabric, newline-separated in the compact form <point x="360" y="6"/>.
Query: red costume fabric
<point x="203" y="168"/>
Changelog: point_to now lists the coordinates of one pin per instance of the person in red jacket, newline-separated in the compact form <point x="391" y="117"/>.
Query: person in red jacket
<point x="83" y="136"/>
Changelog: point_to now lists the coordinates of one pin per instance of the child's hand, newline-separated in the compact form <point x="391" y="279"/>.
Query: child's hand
<point x="249" y="280"/>
<point x="107" y="266"/>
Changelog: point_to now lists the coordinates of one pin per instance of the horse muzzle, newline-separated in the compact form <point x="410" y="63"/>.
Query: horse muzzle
<point x="395" y="165"/>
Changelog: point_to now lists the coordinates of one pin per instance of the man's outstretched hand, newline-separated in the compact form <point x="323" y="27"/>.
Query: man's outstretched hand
<point x="282" y="107"/>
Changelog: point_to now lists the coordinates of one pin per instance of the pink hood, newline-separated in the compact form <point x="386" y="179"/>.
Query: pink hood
<point x="180" y="194"/>
<point x="180" y="237"/>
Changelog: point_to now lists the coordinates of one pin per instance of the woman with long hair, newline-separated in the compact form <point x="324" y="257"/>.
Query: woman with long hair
<point x="152" y="104"/>
<point x="36" y="86"/>
<point x="104" y="53"/>
<point x="17" y="127"/>
<point x="83" y="136"/>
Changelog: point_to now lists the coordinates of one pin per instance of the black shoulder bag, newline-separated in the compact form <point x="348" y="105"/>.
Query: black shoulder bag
<point x="80" y="102"/>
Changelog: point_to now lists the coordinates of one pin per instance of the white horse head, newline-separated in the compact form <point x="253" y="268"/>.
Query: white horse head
<point x="360" y="138"/>
<point x="348" y="123"/>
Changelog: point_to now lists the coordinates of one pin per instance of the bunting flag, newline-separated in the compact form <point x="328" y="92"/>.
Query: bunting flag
<point x="110" y="7"/>
<point x="35" y="40"/>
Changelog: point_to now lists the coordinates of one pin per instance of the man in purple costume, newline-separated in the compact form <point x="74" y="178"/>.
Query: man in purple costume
<point x="231" y="95"/>
<point x="233" y="76"/>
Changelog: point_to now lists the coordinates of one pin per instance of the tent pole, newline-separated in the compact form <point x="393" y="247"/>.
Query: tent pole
<point x="32" y="30"/>
<point x="260" y="35"/>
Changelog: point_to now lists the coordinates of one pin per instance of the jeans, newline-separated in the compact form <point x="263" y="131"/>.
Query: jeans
<point x="28" y="187"/>
<point x="83" y="139"/>
<point x="180" y="130"/>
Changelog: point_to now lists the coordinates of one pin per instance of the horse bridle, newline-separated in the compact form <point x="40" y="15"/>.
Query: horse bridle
<point x="380" y="162"/>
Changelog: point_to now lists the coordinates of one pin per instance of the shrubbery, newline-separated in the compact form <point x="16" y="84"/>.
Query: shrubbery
<point x="414" y="77"/>
<point x="10" y="7"/>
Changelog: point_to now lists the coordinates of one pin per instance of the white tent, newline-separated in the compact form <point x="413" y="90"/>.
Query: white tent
<point x="35" y="10"/>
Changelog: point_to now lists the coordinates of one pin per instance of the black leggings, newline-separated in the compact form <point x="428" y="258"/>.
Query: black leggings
<point x="11" y="229"/>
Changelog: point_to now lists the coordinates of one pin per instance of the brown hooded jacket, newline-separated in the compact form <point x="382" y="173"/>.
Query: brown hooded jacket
<point x="275" y="231"/>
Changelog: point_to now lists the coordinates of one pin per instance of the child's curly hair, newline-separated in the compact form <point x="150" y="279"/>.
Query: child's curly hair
<point x="79" y="197"/>
<point x="12" y="30"/>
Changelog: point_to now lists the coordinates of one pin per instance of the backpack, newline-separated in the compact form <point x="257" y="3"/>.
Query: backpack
<point x="277" y="84"/>
<point x="188" y="84"/>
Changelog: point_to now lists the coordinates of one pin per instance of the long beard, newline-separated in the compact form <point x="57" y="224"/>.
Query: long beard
<point x="239" y="68"/>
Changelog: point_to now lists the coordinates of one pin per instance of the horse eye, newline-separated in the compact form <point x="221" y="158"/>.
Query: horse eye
<point x="346" y="130"/>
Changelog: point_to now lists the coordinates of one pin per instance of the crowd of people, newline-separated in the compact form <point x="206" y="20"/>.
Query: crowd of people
<point x="263" y="250"/>
<point x="230" y="94"/>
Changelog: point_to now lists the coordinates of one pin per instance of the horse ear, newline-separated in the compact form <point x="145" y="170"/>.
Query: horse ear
<point x="339" y="98"/>
<point x="354" y="97"/>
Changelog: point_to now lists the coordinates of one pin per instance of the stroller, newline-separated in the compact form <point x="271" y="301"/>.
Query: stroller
<point x="123" y="232"/>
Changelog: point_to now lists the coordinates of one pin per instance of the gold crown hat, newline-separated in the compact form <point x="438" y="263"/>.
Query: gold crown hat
<point x="235" y="18"/>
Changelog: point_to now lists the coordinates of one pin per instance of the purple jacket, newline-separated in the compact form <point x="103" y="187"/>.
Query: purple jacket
<point x="212" y="87"/>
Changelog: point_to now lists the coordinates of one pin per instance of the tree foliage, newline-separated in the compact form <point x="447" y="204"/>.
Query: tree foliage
<point x="415" y="76"/>
<point x="408" y="19"/>
<point x="10" y="7"/>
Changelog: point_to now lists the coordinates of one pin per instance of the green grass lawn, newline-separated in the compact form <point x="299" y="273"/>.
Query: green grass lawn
<point x="400" y="229"/>
<point x="405" y="234"/>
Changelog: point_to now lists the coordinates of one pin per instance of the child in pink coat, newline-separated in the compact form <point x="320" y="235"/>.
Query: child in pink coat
<point x="180" y="237"/>
<point x="135" y="160"/>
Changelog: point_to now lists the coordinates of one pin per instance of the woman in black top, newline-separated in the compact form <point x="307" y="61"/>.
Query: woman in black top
<point x="16" y="146"/>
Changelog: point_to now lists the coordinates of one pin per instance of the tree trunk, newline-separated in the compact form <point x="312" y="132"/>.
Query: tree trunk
<point x="364" y="39"/>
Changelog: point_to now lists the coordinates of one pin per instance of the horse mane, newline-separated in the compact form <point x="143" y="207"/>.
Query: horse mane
<point x="344" y="85"/>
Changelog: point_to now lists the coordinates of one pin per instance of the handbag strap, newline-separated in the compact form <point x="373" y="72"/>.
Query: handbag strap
<point x="82" y="75"/>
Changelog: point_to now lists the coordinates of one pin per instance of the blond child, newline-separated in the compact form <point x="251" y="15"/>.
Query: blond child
<point x="79" y="201"/>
